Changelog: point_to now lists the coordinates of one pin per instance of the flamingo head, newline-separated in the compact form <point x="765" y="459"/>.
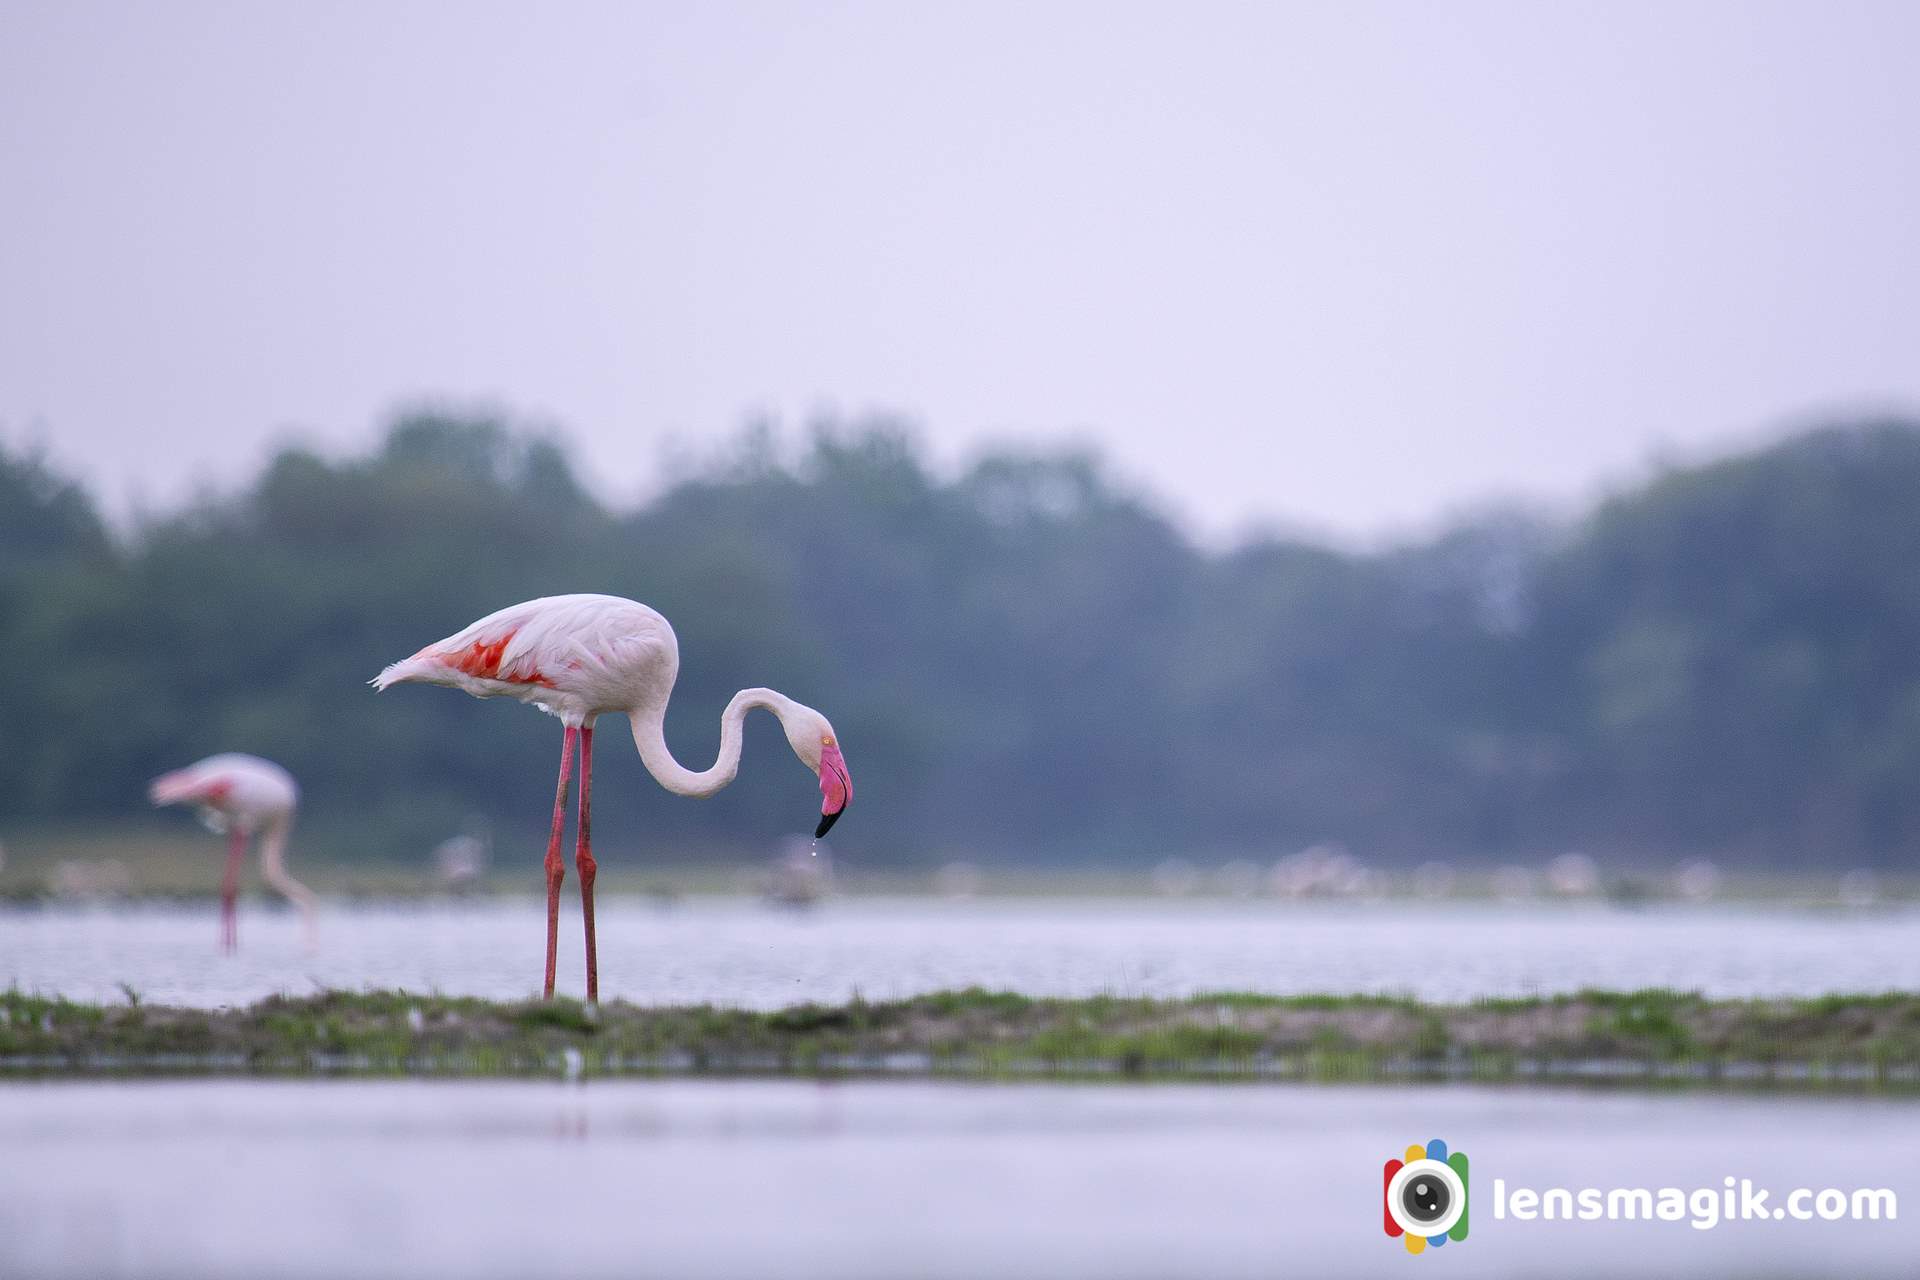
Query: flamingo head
<point x="814" y="741"/>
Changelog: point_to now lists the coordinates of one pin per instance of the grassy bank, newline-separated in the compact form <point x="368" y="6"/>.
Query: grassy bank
<point x="1632" y="1037"/>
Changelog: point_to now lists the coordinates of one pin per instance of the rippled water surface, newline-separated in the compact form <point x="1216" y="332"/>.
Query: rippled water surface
<point x="737" y="952"/>
<point x="693" y="1178"/>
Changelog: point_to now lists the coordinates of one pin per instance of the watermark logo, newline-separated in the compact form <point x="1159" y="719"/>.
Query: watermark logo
<point x="1703" y="1208"/>
<point x="1425" y="1196"/>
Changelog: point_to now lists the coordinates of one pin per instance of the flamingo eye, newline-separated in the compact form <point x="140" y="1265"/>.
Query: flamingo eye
<point x="826" y="740"/>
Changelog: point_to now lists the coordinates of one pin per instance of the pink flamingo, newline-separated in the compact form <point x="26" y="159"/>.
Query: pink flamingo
<point x="242" y="795"/>
<point x="579" y="656"/>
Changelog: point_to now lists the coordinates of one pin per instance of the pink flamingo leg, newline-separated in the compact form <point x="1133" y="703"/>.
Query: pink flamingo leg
<point x="556" y="869"/>
<point x="583" y="859"/>
<point x="230" y="891"/>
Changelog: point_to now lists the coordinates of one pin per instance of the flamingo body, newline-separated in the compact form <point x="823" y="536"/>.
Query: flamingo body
<point x="573" y="656"/>
<point x="231" y="791"/>
<point x="580" y="656"/>
<point x="243" y="796"/>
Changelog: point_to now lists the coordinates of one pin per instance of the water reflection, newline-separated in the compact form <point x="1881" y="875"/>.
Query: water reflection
<point x="801" y="1179"/>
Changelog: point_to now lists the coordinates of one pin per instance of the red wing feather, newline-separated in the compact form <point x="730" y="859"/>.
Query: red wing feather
<point x="481" y="659"/>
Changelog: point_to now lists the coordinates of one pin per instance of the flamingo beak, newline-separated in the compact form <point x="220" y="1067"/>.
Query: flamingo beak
<point x="836" y="787"/>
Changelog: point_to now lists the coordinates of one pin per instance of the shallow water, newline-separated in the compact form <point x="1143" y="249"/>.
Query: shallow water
<point x="738" y="952"/>
<point x="702" y="1178"/>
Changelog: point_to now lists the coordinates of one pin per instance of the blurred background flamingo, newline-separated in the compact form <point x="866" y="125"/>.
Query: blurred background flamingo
<point x="242" y="796"/>
<point x="578" y="656"/>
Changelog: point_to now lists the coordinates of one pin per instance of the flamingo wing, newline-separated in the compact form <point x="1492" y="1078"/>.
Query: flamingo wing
<point x="193" y="784"/>
<point x="495" y="649"/>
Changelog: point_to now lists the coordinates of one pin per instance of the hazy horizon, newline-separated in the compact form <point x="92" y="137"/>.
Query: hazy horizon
<point x="1340" y="270"/>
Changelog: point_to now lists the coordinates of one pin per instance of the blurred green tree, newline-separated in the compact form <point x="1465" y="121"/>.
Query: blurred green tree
<point x="1026" y="659"/>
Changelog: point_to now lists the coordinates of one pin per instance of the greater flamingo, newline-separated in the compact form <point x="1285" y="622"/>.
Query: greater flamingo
<point x="579" y="656"/>
<point x="242" y="795"/>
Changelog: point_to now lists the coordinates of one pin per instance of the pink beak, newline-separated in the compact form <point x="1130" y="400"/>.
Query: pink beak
<point x="836" y="787"/>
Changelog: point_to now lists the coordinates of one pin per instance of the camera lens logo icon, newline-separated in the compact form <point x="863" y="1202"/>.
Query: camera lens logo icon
<point x="1426" y="1196"/>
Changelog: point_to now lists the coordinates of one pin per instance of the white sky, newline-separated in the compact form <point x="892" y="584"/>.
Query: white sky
<point x="1337" y="265"/>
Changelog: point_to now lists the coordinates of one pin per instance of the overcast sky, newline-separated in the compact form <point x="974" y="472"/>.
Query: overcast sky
<point x="1333" y="265"/>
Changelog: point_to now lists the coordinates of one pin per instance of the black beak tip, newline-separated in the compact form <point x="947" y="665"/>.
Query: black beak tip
<point x="826" y="821"/>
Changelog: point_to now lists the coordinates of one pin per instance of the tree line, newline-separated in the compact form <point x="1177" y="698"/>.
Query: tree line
<point x="1026" y="661"/>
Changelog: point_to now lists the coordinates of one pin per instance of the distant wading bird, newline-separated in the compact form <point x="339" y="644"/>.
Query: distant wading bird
<point x="579" y="656"/>
<point x="242" y="796"/>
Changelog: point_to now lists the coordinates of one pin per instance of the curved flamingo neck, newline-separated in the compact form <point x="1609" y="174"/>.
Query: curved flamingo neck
<point x="273" y="869"/>
<point x="649" y="734"/>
